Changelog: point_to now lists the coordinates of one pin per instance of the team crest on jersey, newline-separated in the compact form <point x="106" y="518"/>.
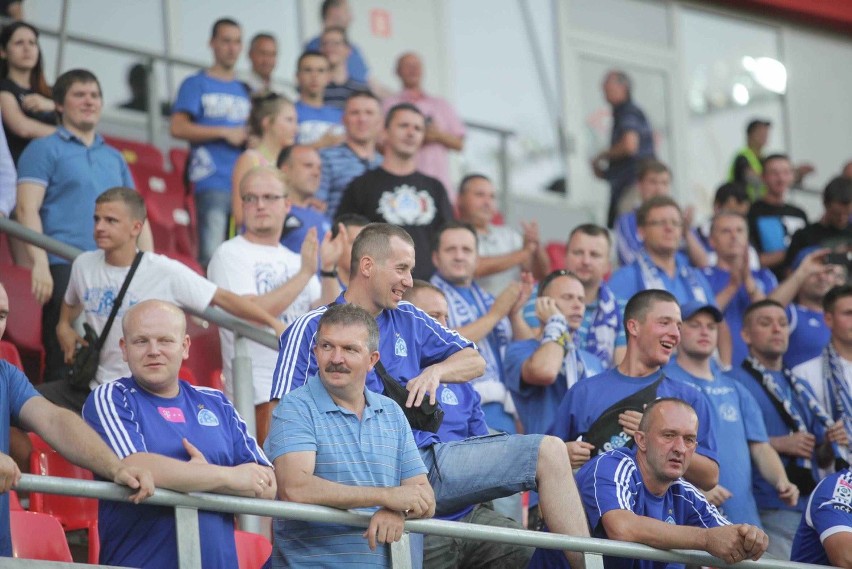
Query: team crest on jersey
<point x="206" y="418"/>
<point x="728" y="413"/>
<point x="448" y="397"/>
<point x="400" y="348"/>
<point x="842" y="492"/>
<point x="172" y="414"/>
<point x="670" y="520"/>
<point x="406" y="205"/>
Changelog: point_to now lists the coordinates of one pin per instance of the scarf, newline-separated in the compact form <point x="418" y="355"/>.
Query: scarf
<point x="600" y="336"/>
<point x="651" y="277"/>
<point x="836" y="387"/>
<point x="556" y="330"/>
<point x="774" y="390"/>
<point x="490" y="385"/>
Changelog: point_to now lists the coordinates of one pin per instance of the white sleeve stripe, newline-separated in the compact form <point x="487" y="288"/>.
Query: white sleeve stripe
<point x="288" y="355"/>
<point x="833" y="530"/>
<point x="111" y="422"/>
<point x="696" y="496"/>
<point x="622" y="476"/>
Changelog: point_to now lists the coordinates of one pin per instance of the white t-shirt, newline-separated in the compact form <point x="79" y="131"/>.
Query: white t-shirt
<point x="243" y="267"/>
<point x="95" y="285"/>
<point x="499" y="240"/>
<point x="811" y="371"/>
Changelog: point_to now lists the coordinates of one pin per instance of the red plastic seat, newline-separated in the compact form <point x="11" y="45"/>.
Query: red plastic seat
<point x="72" y="512"/>
<point x="38" y="536"/>
<point x="171" y="212"/>
<point x="556" y="254"/>
<point x="15" y="502"/>
<point x="24" y="324"/>
<point x="205" y="354"/>
<point x="216" y="380"/>
<point x="186" y="374"/>
<point x="136" y="152"/>
<point x="5" y="251"/>
<point x="252" y="549"/>
<point x="9" y="352"/>
<point x="178" y="158"/>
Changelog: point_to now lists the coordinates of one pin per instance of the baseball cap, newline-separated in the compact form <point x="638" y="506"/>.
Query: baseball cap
<point x="693" y="307"/>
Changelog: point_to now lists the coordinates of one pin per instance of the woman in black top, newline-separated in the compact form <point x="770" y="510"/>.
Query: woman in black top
<point x="25" y="98"/>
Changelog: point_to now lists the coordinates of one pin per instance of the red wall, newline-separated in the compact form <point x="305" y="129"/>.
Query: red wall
<point x="827" y="14"/>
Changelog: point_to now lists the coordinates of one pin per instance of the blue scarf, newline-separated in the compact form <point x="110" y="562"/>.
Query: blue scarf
<point x="600" y="338"/>
<point x="490" y="385"/>
<point x="651" y="278"/>
<point x="836" y="387"/>
<point x="556" y="330"/>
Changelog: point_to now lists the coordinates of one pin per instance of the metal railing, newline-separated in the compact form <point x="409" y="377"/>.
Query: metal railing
<point x="187" y="506"/>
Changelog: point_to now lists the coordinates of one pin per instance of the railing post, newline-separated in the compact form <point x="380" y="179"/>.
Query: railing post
<point x="504" y="172"/>
<point x="243" y="386"/>
<point x="593" y="560"/>
<point x="188" y="538"/>
<point x="400" y="552"/>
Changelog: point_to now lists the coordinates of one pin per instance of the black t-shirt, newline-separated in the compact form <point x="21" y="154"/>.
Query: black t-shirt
<point x="771" y="228"/>
<point x="416" y="202"/>
<point x="18" y="143"/>
<point x="818" y="235"/>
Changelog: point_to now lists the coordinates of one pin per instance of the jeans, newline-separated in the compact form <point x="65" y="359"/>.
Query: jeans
<point x="213" y="208"/>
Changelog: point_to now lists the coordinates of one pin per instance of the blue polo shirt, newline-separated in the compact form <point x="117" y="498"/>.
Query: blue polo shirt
<point x="829" y="511"/>
<point x="130" y="420"/>
<point x="73" y="176"/>
<point x="537" y="404"/>
<point x="627" y="281"/>
<point x="409" y="340"/>
<point x="588" y="399"/>
<point x="374" y="451"/>
<point x="808" y="335"/>
<point x="733" y="313"/>
<point x="764" y="493"/>
<point x="738" y="423"/>
<point x="340" y="165"/>
<point x="213" y="102"/>
<point x="15" y="390"/>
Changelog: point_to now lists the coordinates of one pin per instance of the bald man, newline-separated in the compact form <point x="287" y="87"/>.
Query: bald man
<point x="190" y="438"/>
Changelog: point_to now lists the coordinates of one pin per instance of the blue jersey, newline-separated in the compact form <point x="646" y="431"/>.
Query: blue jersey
<point x="738" y="423"/>
<point x="627" y="281"/>
<point x="130" y="420"/>
<point x="409" y="340"/>
<point x="537" y="404"/>
<point x="627" y="240"/>
<point x="15" y="390"/>
<point x="764" y="493"/>
<point x="612" y="481"/>
<point x="314" y="122"/>
<point x="808" y="335"/>
<point x="298" y="222"/>
<point x="588" y="399"/>
<point x="733" y="313"/>
<point x="829" y="511"/>
<point x="213" y="102"/>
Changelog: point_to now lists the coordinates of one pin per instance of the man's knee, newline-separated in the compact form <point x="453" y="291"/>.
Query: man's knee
<point x="553" y="454"/>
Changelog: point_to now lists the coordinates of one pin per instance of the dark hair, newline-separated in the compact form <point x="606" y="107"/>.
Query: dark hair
<point x="38" y="83"/>
<point x="772" y="157"/>
<point x="307" y="54"/>
<point x="651" y="166"/>
<point x="641" y="302"/>
<point x="351" y="315"/>
<point x="730" y="190"/>
<point x="646" y="414"/>
<point x="374" y="240"/>
<point x="651" y="204"/>
<point x="129" y="197"/>
<point x="222" y="22"/>
<point x="452" y="224"/>
<point x="469" y="178"/>
<point x="552" y="276"/>
<point x="327" y="5"/>
<point x="69" y="78"/>
<point x="263" y="107"/>
<point x="261" y="36"/>
<point x="622" y="78"/>
<point x="591" y="230"/>
<point x="335" y="29"/>
<point x="838" y="190"/>
<point x="754" y="306"/>
<point x="364" y="95"/>
<point x="348" y="220"/>
<point x="399" y="108"/>
<point x="835" y="294"/>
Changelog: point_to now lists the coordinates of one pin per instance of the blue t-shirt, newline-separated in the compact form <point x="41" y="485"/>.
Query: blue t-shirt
<point x="829" y="511"/>
<point x="73" y="176"/>
<point x="375" y="451"/>
<point x="612" y="481"/>
<point x="537" y="404"/>
<point x="356" y="65"/>
<point x="130" y="420"/>
<point x="808" y="335"/>
<point x="738" y="423"/>
<point x="16" y="390"/>
<point x="764" y="493"/>
<point x="213" y="102"/>
<point x="314" y="122"/>
<point x="298" y="222"/>
<point x="588" y="399"/>
<point x="340" y="165"/>
<point x="733" y="313"/>
<point x="627" y="281"/>
<point x="409" y="340"/>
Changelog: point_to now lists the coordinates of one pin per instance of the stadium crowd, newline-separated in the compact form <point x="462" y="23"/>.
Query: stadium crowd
<point x="432" y="361"/>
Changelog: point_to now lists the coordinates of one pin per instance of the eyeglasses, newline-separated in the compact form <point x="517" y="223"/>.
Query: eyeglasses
<point x="251" y="199"/>
<point x="664" y="223"/>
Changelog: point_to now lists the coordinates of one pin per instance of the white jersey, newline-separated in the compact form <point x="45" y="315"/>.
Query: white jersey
<point x="243" y="268"/>
<point x="96" y="284"/>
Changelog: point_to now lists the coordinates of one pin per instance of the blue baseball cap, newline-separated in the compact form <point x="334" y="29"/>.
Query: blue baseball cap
<point x="693" y="307"/>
